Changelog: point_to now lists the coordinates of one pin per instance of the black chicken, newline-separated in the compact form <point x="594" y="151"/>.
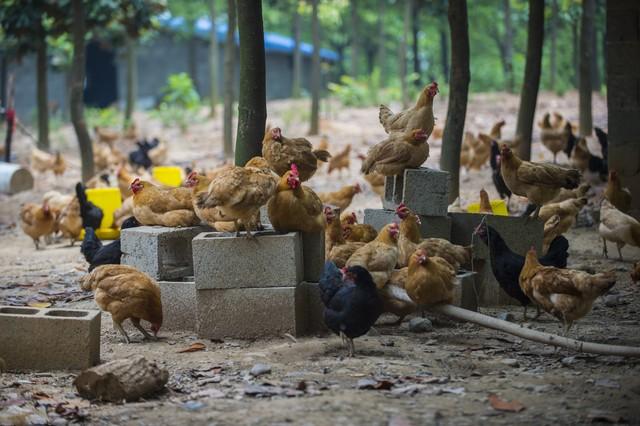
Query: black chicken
<point x="352" y="302"/>
<point x="90" y="213"/>
<point x="507" y="265"/>
<point x="98" y="254"/>
<point x="140" y="157"/>
<point x="498" y="181"/>
<point x="596" y="164"/>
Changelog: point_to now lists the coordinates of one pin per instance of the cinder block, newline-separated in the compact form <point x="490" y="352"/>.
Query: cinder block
<point x="314" y="309"/>
<point x="49" y="339"/>
<point x="467" y="291"/>
<point x="178" y="303"/>
<point x="392" y="191"/>
<point x="162" y="253"/>
<point x="250" y="313"/>
<point x="223" y="261"/>
<point x="426" y="191"/>
<point x="519" y="234"/>
<point x="312" y="255"/>
<point x="431" y="226"/>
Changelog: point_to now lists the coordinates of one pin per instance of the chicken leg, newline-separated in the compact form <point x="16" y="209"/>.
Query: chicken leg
<point x="604" y="249"/>
<point x="136" y="324"/>
<point x="620" y="251"/>
<point x="118" y="327"/>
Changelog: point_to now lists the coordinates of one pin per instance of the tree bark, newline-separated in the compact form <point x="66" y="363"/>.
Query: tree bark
<point x="459" y="90"/>
<point x="444" y="50"/>
<point x="315" y="70"/>
<point x="415" y="45"/>
<point x="576" y="52"/>
<point x="296" y="84"/>
<point x="42" y="95"/>
<point x="132" y="80"/>
<point x="553" y="26"/>
<point x="355" y="41"/>
<point x="531" y="82"/>
<point x="380" y="62"/>
<point x="229" y="74"/>
<point x="595" y="69"/>
<point x="192" y="55"/>
<point x="252" y="99"/>
<point x="586" y="119"/>
<point x="508" y="47"/>
<point x="76" y="102"/>
<point x="403" y="54"/>
<point x="213" y="60"/>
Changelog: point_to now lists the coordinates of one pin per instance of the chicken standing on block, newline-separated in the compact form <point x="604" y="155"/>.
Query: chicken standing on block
<point x="420" y="116"/>
<point x="281" y="152"/>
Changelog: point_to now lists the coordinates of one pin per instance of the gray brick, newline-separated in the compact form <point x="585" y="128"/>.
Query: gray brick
<point x="178" y="302"/>
<point x="392" y="191"/>
<point x="312" y="255"/>
<point x="467" y="292"/>
<point x="250" y="313"/>
<point x="224" y="261"/>
<point x="162" y="253"/>
<point x="426" y="191"/>
<point x="49" y="339"/>
<point x="314" y="309"/>
<point x="431" y="226"/>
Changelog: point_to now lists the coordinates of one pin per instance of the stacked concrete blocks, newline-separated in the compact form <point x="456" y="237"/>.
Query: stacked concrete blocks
<point x="467" y="290"/>
<point x="49" y="339"/>
<point x="178" y="304"/>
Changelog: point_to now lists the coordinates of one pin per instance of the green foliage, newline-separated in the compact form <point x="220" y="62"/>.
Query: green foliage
<point x="102" y="117"/>
<point x="180" y="102"/>
<point x="363" y="91"/>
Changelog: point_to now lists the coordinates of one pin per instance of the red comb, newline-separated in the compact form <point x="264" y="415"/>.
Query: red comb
<point x="294" y="169"/>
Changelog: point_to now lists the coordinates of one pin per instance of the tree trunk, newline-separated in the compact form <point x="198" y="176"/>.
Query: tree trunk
<point x="444" y="50"/>
<point x="43" y="107"/>
<point x="252" y="99"/>
<point x="576" y="52"/>
<point x="355" y="41"/>
<point x="459" y="90"/>
<point x="380" y="62"/>
<point x="403" y="55"/>
<point x="132" y="80"/>
<point x="229" y="78"/>
<point x="553" y="26"/>
<point x="77" y="86"/>
<point x="296" y="84"/>
<point x="588" y="11"/>
<point x="595" y="70"/>
<point x="192" y="55"/>
<point x="508" y="47"/>
<point x="315" y="70"/>
<point x="415" y="23"/>
<point x="531" y="82"/>
<point x="213" y="60"/>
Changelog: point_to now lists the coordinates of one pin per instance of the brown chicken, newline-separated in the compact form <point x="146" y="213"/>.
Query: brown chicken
<point x="336" y="248"/>
<point x="124" y="179"/>
<point x="554" y="139"/>
<point x="456" y="255"/>
<point x="122" y="213"/>
<point x="340" y="160"/>
<point x="281" y="152"/>
<point x="379" y="256"/>
<point x="580" y="155"/>
<point x="42" y="162"/>
<point x="465" y="150"/>
<point x="551" y="231"/>
<point x="485" y="204"/>
<point x="635" y="272"/>
<point x="357" y="232"/>
<point x="565" y="194"/>
<point x="295" y="207"/>
<point x="200" y="184"/>
<point x="617" y="227"/>
<point x="126" y="293"/>
<point x="398" y="152"/>
<point x="59" y="164"/>
<point x="106" y="156"/>
<point x="341" y="198"/>
<point x="480" y="151"/>
<point x="37" y="220"/>
<point x="70" y="222"/>
<point x="323" y="145"/>
<point x="394" y="296"/>
<point x="567" y="210"/>
<point x="418" y="117"/>
<point x="170" y="207"/>
<point x="437" y="132"/>
<point x="564" y="293"/>
<point x="107" y="136"/>
<point x="540" y="183"/>
<point x="496" y="130"/>
<point x="431" y="279"/>
<point x="617" y="195"/>
<point x="376" y="180"/>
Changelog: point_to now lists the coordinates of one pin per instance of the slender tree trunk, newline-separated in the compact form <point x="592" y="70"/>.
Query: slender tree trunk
<point x="213" y="60"/>
<point x="531" y="82"/>
<point x="415" y="26"/>
<point x="403" y="54"/>
<point x="595" y="70"/>
<point x="192" y="55"/>
<point x="132" y="80"/>
<point x="380" y="62"/>
<point x="315" y="70"/>
<point x="78" y="33"/>
<point x="576" y="52"/>
<point x="554" y="41"/>
<point x="459" y="90"/>
<point x="296" y="85"/>
<point x="355" y="40"/>
<point x="586" y="119"/>
<point x="508" y="47"/>
<point x="252" y="99"/>
<point x="229" y="78"/>
<point x="43" y="99"/>
<point x="444" y="50"/>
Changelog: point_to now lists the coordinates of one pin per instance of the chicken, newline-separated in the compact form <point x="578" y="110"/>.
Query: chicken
<point x="352" y="303"/>
<point x="635" y="272"/>
<point x="455" y="207"/>
<point x="540" y="183"/>
<point x="280" y="152"/>
<point x="106" y="156"/>
<point x="565" y="194"/>
<point x="357" y="232"/>
<point x="555" y="140"/>
<point x="418" y="117"/>
<point x="481" y="151"/>
<point x="340" y="160"/>
<point x="567" y="210"/>
<point x="123" y="212"/>
<point x="379" y="256"/>
<point x="96" y="254"/>
<point x="341" y="198"/>
<point x="91" y="214"/>
<point x="376" y="180"/>
<point x="170" y="207"/>
<point x="582" y="158"/>
<point x="617" y="227"/>
<point x="70" y="222"/>
<point x="437" y="132"/>
<point x="59" y="164"/>
<point x="617" y="195"/>
<point x="398" y="152"/>
<point x="394" y="296"/>
<point x="42" y="161"/>
<point x="496" y="176"/>
<point x="37" y="220"/>
<point x="159" y="153"/>
<point x="552" y="229"/>
<point x="56" y="200"/>
<point x="465" y="150"/>
<point x="496" y="129"/>
<point x="200" y="184"/>
<point x="430" y="279"/>
<point x="506" y="265"/>
<point x="141" y="156"/>
<point x="485" y="204"/>
<point x="126" y="293"/>
<point x="336" y="248"/>
<point x="107" y="136"/>
<point x="564" y="293"/>
<point x="124" y="180"/>
<point x="323" y="145"/>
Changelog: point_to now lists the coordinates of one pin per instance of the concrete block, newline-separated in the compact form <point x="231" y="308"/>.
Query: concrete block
<point x="312" y="255"/>
<point x="162" y="253"/>
<point x="426" y="191"/>
<point x="392" y="191"/>
<point x="467" y="291"/>
<point x="250" y="313"/>
<point x="314" y="309"/>
<point x="431" y="226"/>
<point x="49" y="339"/>
<point x="223" y="261"/>
<point x="178" y="304"/>
<point x="519" y="234"/>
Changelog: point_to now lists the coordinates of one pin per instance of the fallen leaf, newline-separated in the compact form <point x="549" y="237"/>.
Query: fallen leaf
<point x="195" y="347"/>
<point x="39" y="304"/>
<point x="502" y="405"/>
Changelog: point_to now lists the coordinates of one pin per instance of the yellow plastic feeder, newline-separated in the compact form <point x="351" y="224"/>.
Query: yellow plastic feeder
<point x="168" y="175"/>
<point x="109" y="200"/>
<point x="499" y="208"/>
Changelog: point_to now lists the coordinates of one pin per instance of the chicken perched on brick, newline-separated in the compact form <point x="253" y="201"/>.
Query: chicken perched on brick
<point x="281" y="152"/>
<point x="400" y="151"/>
<point x="430" y="280"/>
<point x="97" y="254"/>
<point x="356" y="232"/>
<point x="337" y="249"/>
<point x="170" y="207"/>
<point x="37" y="220"/>
<point x="420" y="116"/>
<point x="199" y="184"/>
<point x="126" y="293"/>
<point x="341" y="198"/>
<point x="379" y="256"/>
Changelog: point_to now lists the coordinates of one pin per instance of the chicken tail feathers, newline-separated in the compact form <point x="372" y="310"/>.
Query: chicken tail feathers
<point x="82" y="196"/>
<point x="90" y="244"/>
<point x="330" y="282"/>
<point x="604" y="281"/>
<point x="322" y="155"/>
<point x="383" y="115"/>
<point x="557" y="254"/>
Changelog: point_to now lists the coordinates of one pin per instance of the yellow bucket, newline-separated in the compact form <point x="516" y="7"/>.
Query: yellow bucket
<point x="168" y="175"/>
<point x="499" y="208"/>
<point x="109" y="200"/>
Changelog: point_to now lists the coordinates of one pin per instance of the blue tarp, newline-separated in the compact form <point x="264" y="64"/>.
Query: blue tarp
<point x="272" y="42"/>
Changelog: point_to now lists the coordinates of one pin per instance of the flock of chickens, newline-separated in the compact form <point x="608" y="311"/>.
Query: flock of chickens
<point x="367" y="272"/>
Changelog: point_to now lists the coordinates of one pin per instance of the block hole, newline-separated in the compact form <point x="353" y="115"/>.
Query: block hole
<point x="70" y="314"/>
<point x="19" y="311"/>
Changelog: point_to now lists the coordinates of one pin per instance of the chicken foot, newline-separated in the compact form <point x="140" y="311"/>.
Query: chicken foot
<point x="136" y="324"/>
<point x="121" y="330"/>
<point x="605" y="252"/>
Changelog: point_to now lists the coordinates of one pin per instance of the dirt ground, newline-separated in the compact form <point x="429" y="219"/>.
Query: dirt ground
<point x="441" y="377"/>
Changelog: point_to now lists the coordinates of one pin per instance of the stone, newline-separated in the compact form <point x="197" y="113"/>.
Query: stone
<point x="312" y="255"/>
<point x="178" y="304"/>
<point x="223" y="261"/>
<point x="160" y="252"/>
<point x="314" y="309"/>
<point x="466" y="291"/>
<point x="49" y="339"/>
<point x="423" y="190"/>
<point x="260" y="369"/>
<point x="430" y="227"/>
<point x="420" y="325"/>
